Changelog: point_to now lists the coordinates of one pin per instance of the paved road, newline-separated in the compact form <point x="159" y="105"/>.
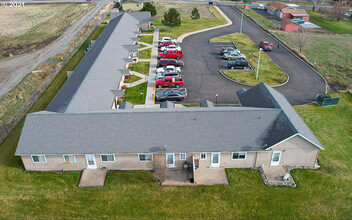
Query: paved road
<point x="202" y="63"/>
<point x="14" y="69"/>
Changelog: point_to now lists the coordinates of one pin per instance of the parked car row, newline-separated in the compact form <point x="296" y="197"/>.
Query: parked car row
<point x="168" y="72"/>
<point x="230" y="53"/>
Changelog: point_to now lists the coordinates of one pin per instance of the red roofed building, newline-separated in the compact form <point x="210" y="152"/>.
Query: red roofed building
<point x="289" y="26"/>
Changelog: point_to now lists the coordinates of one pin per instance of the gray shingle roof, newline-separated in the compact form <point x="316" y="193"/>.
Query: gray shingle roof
<point x="263" y="96"/>
<point x="225" y="129"/>
<point x="89" y="87"/>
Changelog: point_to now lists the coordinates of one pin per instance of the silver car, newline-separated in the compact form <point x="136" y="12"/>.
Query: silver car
<point x="172" y="73"/>
<point x="234" y="56"/>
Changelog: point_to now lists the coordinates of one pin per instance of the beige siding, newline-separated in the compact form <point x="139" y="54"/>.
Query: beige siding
<point x="54" y="162"/>
<point x="297" y="151"/>
<point x="263" y="158"/>
<point x="227" y="162"/>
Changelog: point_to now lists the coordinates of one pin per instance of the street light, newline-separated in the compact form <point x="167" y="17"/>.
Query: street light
<point x="260" y="50"/>
<point x="216" y="99"/>
<point x="241" y="24"/>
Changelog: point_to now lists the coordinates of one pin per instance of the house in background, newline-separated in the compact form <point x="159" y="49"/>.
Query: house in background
<point x="284" y="11"/>
<point x="289" y="26"/>
<point x="275" y="7"/>
<point x="132" y="5"/>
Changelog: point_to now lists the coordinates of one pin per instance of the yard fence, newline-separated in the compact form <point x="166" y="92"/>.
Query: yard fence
<point x="15" y="120"/>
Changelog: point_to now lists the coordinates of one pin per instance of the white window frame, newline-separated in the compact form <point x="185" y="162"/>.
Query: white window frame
<point x="145" y="161"/>
<point x="183" y="154"/>
<point x="200" y="155"/>
<point x="245" y="155"/>
<point x="38" y="155"/>
<point x="101" y="158"/>
<point x="74" y="157"/>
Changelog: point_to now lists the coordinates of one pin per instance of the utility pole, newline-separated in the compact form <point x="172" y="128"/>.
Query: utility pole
<point x="260" y="50"/>
<point x="241" y="24"/>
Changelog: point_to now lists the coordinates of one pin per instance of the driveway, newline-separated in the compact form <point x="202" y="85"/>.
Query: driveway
<point x="202" y="62"/>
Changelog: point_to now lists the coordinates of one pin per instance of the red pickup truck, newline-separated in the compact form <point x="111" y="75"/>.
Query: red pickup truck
<point x="170" y="55"/>
<point x="169" y="81"/>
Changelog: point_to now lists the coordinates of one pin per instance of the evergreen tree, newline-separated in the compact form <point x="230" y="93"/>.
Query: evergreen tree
<point x="195" y="14"/>
<point x="149" y="7"/>
<point x="172" y="18"/>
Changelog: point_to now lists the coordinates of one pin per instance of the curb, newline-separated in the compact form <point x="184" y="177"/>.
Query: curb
<point x="285" y="46"/>
<point x="229" y="22"/>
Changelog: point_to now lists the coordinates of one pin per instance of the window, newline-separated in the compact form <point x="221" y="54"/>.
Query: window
<point x="69" y="159"/>
<point x="203" y="156"/>
<point x="145" y="157"/>
<point x="182" y="156"/>
<point x="38" y="159"/>
<point x="107" y="157"/>
<point x="239" y="156"/>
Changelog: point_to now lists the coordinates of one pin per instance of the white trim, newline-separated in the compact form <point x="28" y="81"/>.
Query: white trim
<point x="101" y="159"/>
<point x="173" y="160"/>
<point x="184" y="154"/>
<point x="145" y="161"/>
<point x="200" y="155"/>
<point x="294" y="136"/>
<point x="74" y="157"/>
<point x="211" y="160"/>
<point x="38" y="155"/>
<point x="240" y="152"/>
<point x="95" y="162"/>
<point x="272" y="163"/>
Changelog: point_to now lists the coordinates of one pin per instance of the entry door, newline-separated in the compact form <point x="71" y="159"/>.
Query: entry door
<point x="215" y="159"/>
<point x="170" y="160"/>
<point x="91" y="164"/>
<point x="275" y="159"/>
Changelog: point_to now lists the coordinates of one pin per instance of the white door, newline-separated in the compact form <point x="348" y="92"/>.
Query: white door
<point x="275" y="159"/>
<point x="215" y="159"/>
<point x="170" y="160"/>
<point x="280" y="14"/>
<point x="91" y="164"/>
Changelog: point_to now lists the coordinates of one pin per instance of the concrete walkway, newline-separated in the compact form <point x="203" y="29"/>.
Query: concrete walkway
<point x="143" y="79"/>
<point x="92" y="177"/>
<point x="149" y="100"/>
<point x="229" y="22"/>
<point x="144" y="60"/>
<point x="144" y="48"/>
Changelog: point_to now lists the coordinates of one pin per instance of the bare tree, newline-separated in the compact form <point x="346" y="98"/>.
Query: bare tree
<point x="158" y="167"/>
<point x="317" y="3"/>
<point x="302" y="39"/>
<point x="341" y="8"/>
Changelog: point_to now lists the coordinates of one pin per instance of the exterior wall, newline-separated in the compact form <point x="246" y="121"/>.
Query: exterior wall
<point x="272" y="12"/>
<point x="297" y="152"/>
<point x="227" y="162"/>
<point x="132" y="6"/>
<point x="286" y="16"/>
<point x="291" y="27"/>
<point x="54" y="162"/>
<point x="306" y="18"/>
<point x="145" y="26"/>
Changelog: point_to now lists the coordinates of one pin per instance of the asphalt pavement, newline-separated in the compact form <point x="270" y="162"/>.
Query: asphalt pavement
<point x="202" y="62"/>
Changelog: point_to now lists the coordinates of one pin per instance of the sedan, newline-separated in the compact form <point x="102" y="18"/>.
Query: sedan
<point x="172" y="95"/>
<point x="234" y="56"/>
<point x="171" y="47"/>
<point x="229" y="50"/>
<point x="168" y="68"/>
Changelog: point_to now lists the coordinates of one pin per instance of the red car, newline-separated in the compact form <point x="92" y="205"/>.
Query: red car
<point x="165" y="44"/>
<point x="170" y="54"/>
<point x="169" y="81"/>
<point x="265" y="45"/>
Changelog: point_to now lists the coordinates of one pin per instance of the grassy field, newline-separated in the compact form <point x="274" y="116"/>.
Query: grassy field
<point x="35" y="26"/>
<point x="133" y="95"/>
<point x="188" y="25"/>
<point x="184" y="10"/>
<point x="341" y="27"/>
<point x="331" y="54"/>
<point x="133" y="78"/>
<point x="322" y="194"/>
<point x="146" y="39"/>
<point x="269" y="72"/>
<point x="141" y="67"/>
<point x="145" y="54"/>
<point x="265" y="23"/>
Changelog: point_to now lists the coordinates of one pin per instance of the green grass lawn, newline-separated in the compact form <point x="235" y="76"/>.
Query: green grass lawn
<point x="331" y="54"/>
<point x="265" y="23"/>
<point x="146" y="39"/>
<point x="133" y="78"/>
<point x="145" y="54"/>
<point x="133" y="95"/>
<point x="141" y="67"/>
<point x="322" y="194"/>
<point x="341" y="27"/>
<point x="269" y="72"/>
<point x="141" y="46"/>
<point x="188" y="25"/>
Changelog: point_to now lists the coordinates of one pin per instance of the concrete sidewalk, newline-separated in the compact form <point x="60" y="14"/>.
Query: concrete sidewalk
<point x="143" y="79"/>
<point x="149" y="100"/>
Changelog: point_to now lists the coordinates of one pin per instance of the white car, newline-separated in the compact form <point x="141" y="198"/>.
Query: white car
<point x="168" y="68"/>
<point x="168" y="39"/>
<point x="172" y="73"/>
<point x="171" y="47"/>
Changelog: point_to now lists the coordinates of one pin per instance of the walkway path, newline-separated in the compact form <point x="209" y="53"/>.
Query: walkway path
<point x="149" y="100"/>
<point x="136" y="83"/>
